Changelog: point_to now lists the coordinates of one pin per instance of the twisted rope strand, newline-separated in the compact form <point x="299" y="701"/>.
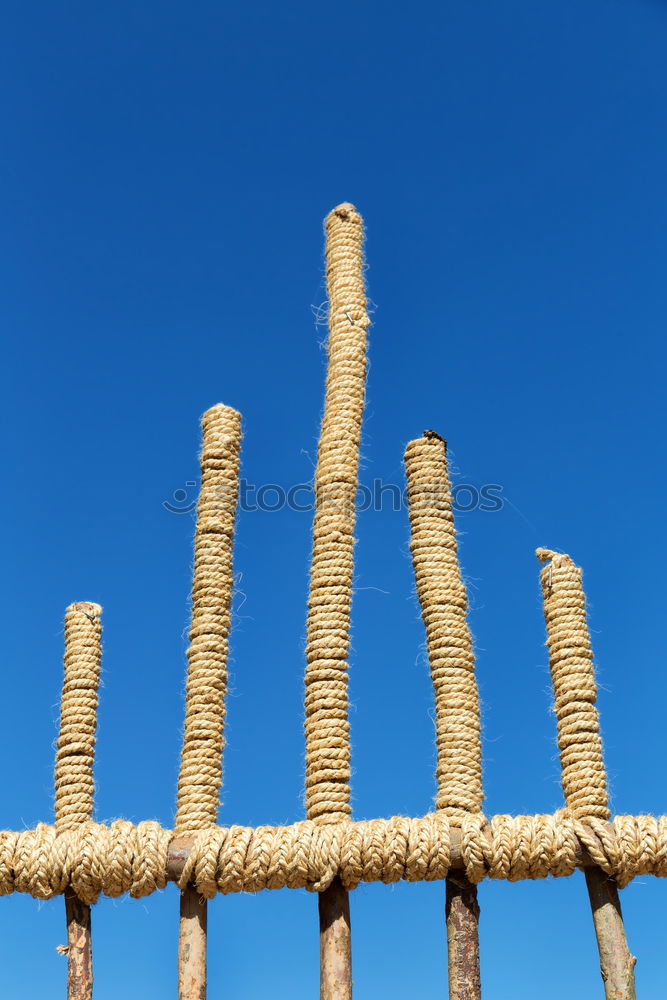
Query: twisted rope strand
<point x="571" y="662"/>
<point x="200" y="776"/>
<point x="443" y="602"/>
<point x="330" y="597"/>
<point x="75" y="754"/>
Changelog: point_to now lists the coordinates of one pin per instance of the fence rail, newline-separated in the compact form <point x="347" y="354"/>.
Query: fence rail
<point x="329" y="852"/>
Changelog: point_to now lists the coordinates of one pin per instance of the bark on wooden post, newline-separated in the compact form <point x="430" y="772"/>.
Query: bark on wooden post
<point x="192" y="946"/>
<point x="79" y="948"/>
<point x="617" y="965"/>
<point x="462" y="913"/>
<point x="335" y="943"/>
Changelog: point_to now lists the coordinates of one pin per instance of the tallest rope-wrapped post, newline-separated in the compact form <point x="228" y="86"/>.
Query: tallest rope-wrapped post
<point x="331" y="575"/>
<point x="330" y="598"/>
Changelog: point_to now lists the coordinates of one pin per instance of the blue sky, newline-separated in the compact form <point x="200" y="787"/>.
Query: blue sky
<point x="165" y="172"/>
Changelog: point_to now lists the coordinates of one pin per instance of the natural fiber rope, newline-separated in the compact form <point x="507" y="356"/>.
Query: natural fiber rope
<point x="443" y="602"/>
<point x="330" y="597"/>
<point x="571" y="662"/>
<point x="75" y="754"/>
<point x="125" y="858"/>
<point x="200" y="776"/>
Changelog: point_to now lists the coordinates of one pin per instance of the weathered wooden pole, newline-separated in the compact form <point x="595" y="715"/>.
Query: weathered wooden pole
<point x="74" y="782"/>
<point x="200" y="776"/>
<point x="330" y="595"/>
<point x="617" y="965"/>
<point x="583" y="772"/>
<point x="192" y="945"/>
<point x="443" y="601"/>
<point x="335" y="943"/>
<point x="462" y="915"/>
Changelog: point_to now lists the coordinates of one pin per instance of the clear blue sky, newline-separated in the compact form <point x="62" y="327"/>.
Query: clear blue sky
<point x="165" y="170"/>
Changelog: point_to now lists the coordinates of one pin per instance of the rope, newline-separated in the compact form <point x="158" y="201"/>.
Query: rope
<point x="571" y="661"/>
<point x="123" y="858"/>
<point x="443" y="602"/>
<point x="330" y="597"/>
<point x="75" y="754"/>
<point x="200" y="776"/>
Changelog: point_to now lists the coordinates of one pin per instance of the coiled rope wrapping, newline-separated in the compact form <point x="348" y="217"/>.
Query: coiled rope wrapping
<point x="126" y="858"/>
<point x="200" y="776"/>
<point x="75" y="754"/>
<point x="571" y="662"/>
<point x="330" y="597"/>
<point x="443" y="601"/>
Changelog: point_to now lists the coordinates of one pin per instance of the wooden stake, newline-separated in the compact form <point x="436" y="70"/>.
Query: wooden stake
<point x="335" y="943"/>
<point x="617" y="965"/>
<point x="192" y="946"/>
<point x="462" y="913"/>
<point x="79" y="948"/>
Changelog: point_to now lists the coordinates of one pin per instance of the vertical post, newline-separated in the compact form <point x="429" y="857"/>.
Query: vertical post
<point x="330" y="596"/>
<point x="335" y="943"/>
<point x="462" y="915"/>
<point x="443" y="601"/>
<point x="583" y="772"/>
<point x="200" y="776"/>
<point x="74" y="782"/>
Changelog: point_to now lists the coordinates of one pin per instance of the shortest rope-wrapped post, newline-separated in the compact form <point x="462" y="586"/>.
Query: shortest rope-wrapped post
<point x="443" y="601"/>
<point x="582" y="765"/>
<point x="74" y="780"/>
<point x="200" y="776"/>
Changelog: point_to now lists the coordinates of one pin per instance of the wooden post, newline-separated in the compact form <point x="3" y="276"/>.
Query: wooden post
<point x="335" y="943"/>
<point x="79" y="948"/>
<point x="200" y="775"/>
<point x="583" y="772"/>
<point x="443" y="601"/>
<point x="462" y="914"/>
<point x="616" y="963"/>
<point x="331" y="573"/>
<point x="192" y="946"/>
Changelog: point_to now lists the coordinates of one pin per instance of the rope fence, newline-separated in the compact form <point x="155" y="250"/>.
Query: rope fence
<point x="329" y="852"/>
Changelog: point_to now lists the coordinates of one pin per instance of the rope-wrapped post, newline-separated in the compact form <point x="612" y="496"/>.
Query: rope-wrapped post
<point x="330" y="596"/>
<point x="200" y="776"/>
<point x="583" y="771"/>
<point x="74" y="781"/>
<point x="443" y="601"/>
